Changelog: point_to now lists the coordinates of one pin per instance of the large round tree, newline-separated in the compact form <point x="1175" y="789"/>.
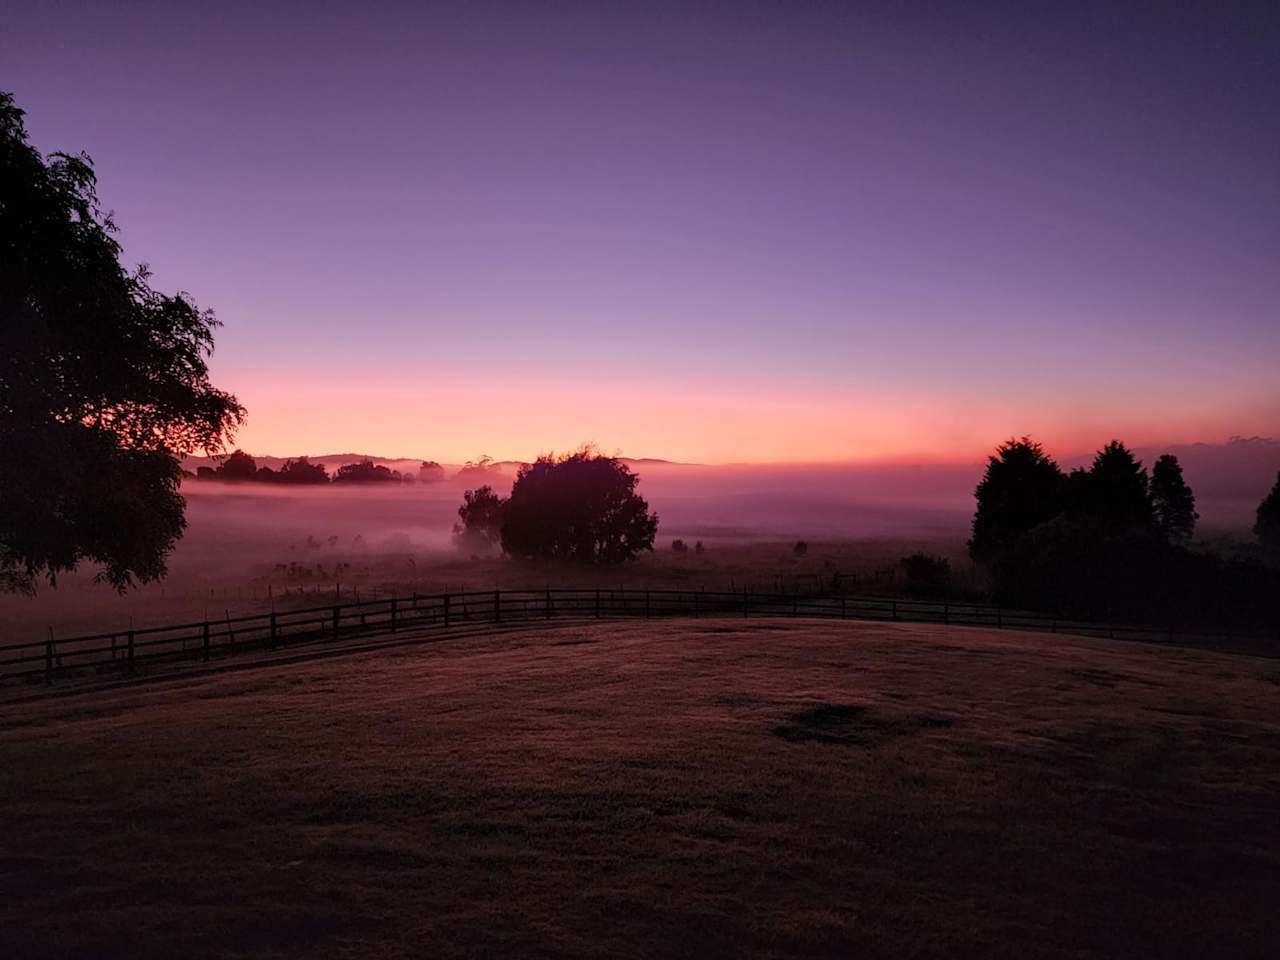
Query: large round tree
<point x="581" y="507"/>
<point x="103" y="382"/>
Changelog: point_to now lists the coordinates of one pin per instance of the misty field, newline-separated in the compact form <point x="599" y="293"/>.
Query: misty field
<point x="695" y="788"/>
<point x="251" y="547"/>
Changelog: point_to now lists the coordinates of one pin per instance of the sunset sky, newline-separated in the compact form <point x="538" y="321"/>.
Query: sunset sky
<point x="713" y="232"/>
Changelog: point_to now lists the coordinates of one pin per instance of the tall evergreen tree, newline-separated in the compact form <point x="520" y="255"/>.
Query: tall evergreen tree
<point x="1172" y="502"/>
<point x="1021" y="489"/>
<point x="1118" y="490"/>
<point x="1267" y="528"/>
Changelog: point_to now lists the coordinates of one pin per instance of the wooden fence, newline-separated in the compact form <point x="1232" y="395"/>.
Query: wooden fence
<point x="130" y="652"/>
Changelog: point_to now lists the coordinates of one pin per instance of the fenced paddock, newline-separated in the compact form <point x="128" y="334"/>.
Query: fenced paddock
<point x="134" y="651"/>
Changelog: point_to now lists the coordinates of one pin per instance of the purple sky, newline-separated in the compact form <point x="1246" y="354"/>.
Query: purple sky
<point x="773" y="231"/>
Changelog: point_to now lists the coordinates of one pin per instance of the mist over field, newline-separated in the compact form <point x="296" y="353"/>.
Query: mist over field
<point x="248" y="545"/>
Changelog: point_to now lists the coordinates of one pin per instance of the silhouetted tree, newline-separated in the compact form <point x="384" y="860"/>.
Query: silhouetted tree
<point x="366" y="471"/>
<point x="103" y="382"/>
<point x="1117" y="493"/>
<point x="926" y="576"/>
<point x="303" y="471"/>
<point x="1267" y="528"/>
<point x="800" y="548"/>
<point x="1022" y="488"/>
<point x="481" y="515"/>
<point x="238" y="466"/>
<point x="679" y="546"/>
<point x="481" y="469"/>
<point x="583" y="506"/>
<point x="1172" y="502"/>
<point x="430" y="472"/>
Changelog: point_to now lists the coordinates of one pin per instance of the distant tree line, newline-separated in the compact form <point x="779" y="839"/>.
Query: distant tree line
<point x="239" y="467"/>
<point x="1114" y="542"/>
<point x="581" y="507"/>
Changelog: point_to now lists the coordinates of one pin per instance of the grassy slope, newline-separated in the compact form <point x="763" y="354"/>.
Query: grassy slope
<point x="687" y="788"/>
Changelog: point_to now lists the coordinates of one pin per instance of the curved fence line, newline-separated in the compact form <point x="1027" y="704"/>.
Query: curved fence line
<point x="129" y="652"/>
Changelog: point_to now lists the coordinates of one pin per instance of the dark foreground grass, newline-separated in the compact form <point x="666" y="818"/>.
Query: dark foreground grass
<point x="691" y="788"/>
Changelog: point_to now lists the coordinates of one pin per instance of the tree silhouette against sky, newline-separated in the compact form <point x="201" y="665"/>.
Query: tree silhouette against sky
<point x="103" y="382"/>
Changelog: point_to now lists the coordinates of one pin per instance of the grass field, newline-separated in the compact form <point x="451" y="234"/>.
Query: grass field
<point x="688" y="788"/>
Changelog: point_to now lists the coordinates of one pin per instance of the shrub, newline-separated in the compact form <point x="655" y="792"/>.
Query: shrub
<point x="926" y="576"/>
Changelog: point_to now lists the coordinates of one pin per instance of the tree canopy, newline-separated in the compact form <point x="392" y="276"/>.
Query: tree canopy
<point x="366" y="471"/>
<point x="480" y="516"/>
<point x="1022" y="488"/>
<point x="103" y="381"/>
<point x="583" y="507"/>
<point x="1117" y="491"/>
<point x="302" y="470"/>
<point x="1172" y="502"/>
<point x="1267" y="528"/>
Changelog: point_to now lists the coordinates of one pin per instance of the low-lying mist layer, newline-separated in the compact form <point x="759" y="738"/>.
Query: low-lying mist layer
<point x="250" y="545"/>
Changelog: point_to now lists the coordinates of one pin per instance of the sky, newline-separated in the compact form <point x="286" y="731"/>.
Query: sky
<point x="791" y="232"/>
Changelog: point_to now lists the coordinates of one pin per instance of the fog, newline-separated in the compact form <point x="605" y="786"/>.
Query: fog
<point x="248" y="545"/>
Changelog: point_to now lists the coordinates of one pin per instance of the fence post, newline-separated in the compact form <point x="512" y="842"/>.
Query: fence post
<point x="548" y="603"/>
<point x="894" y="609"/>
<point x="646" y="603"/>
<point x="597" y="603"/>
<point x="746" y="602"/>
<point x="446" y="611"/>
<point x="795" y="605"/>
<point x="696" y="612"/>
<point x="204" y="637"/>
<point x="274" y="633"/>
<point x="48" y="660"/>
<point x="335" y="621"/>
<point x="946" y="613"/>
<point x="129" y="654"/>
<point x="999" y="619"/>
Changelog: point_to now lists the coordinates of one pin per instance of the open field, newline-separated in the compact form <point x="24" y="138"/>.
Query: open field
<point x="686" y="788"/>
<point x="249" y="548"/>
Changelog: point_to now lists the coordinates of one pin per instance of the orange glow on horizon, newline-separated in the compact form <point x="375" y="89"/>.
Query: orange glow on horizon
<point x="452" y="423"/>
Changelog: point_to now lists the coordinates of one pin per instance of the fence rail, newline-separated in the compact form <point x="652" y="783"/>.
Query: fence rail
<point x="130" y="652"/>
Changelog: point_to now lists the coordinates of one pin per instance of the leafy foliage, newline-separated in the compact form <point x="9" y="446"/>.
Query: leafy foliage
<point x="1022" y="488"/>
<point x="366" y="471"/>
<point x="103" y="381"/>
<point x="1111" y="544"/>
<point x="1267" y="528"/>
<point x="1116" y="492"/>
<point x="582" y="507"/>
<point x="238" y="466"/>
<point x="481" y="520"/>
<point x="1172" y="502"/>
<point x="926" y="576"/>
<point x="302" y="471"/>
